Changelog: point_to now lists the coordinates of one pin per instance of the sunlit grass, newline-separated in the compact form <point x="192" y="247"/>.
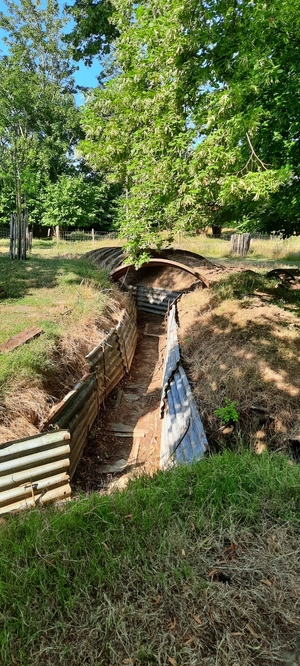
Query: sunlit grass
<point x="263" y="253"/>
<point x="52" y="293"/>
<point x="104" y="580"/>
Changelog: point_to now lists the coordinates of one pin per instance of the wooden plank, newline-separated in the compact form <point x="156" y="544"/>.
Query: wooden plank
<point x="20" y="339"/>
<point x="120" y="427"/>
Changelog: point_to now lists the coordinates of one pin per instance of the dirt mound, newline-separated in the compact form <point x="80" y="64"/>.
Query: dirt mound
<point x="247" y="350"/>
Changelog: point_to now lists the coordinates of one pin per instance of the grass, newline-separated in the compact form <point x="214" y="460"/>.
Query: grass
<point x="266" y="254"/>
<point x="73" y="302"/>
<point x="136" y="577"/>
<point x="197" y="565"/>
<point x="50" y="293"/>
<point x="240" y="342"/>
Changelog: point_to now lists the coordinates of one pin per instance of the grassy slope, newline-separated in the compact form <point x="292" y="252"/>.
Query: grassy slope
<point x="50" y="291"/>
<point x="74" y="304"/>
<point x="120" y="579"/>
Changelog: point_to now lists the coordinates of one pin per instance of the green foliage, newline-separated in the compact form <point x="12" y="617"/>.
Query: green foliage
<point x="39" y="121"/>
<point x="76" y="201"/>
<point x="93" y="31"/>
<point x="195" y="118"/>
<point x="227" y="414"/>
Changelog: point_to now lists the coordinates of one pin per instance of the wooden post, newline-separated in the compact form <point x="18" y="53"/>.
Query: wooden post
<point x="240" y="244"/>
<point x="93" y="236"/>
<point x="19" y="216"/>
<point x="11" y="236"/>
<point x="57" y="233"/>
<point x="29" y="240"/>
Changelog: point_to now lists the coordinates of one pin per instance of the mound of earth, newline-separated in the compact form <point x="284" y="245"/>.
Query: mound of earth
<point x="246" y="349"/>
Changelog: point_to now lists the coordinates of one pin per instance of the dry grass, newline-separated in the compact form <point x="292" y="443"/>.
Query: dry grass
<point x="75" y="305"/>
<point x="263" y="253"/>
<point x="245" y="348"/>
<point x="187" y="616"/>
<point x="199" y="565"/>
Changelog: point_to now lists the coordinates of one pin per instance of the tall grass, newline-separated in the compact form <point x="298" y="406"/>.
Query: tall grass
<point x="263" y="253"/>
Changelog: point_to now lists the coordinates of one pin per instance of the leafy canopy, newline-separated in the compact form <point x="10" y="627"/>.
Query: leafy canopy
<point x="199" y="115"/>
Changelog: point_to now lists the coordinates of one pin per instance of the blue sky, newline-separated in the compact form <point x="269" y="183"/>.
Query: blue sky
<point x="85" y="76"/>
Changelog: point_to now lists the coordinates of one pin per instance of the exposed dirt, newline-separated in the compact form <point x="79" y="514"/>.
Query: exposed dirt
<point x="26" y="406"/>
<point x="162" y="278"/>
<point x="134" y="403"/>
<point x="246" y="350"/>
<point x="173" y="278"/>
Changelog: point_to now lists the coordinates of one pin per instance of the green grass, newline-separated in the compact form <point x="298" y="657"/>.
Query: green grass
<point x="243" y="285"/>
<point x="50" y="292"/>
<point x="98" y="581"/>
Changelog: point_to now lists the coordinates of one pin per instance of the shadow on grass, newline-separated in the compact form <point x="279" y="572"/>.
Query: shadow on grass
<point x="17" y="278"/>
<point x="247" y="352"/>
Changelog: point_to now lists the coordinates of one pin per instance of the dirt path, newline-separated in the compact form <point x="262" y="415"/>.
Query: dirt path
<point x="113" y="453"/>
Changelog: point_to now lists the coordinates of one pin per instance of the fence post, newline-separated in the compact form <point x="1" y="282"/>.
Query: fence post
<point x="57" y="233"/>
<point x="240" y="244"/>
<point x="11" y="236"/>
<point x="93" y="236"/>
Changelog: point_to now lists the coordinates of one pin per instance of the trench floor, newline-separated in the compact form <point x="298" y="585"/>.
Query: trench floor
<point x="125" y="438"/>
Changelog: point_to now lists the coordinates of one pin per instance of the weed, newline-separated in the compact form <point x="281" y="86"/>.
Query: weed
<point x="227" y="414"/>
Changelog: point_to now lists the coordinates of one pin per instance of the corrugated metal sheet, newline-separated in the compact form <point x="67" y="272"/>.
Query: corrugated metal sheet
<point x="172" y="358"/>
<point x="122" y="269"/>
<point x="108" y="362"/>
<point x="34" y="470"/>
<point x="183" y="438"/>
<point x="95" y="356"/>
<point x="155" y="300"/>
<point x="73" y="402"/>
<point x="107" y="257"/>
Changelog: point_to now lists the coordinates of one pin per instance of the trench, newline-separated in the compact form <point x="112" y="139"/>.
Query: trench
<point x="125" y="438"/>
<point x="108" y="428"/>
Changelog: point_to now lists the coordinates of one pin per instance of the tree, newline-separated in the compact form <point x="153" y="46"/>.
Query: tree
<point x="93" y="31"/>
<point x="39" y="122"/>
<point x="195" y="120"/>
<point x="77" y="202"/>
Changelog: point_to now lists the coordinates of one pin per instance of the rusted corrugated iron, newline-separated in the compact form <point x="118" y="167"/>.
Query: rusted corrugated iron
<point x="37" y="469"/>
<point x="183" y="438"/>
<point x="73" y="402"/>
<point x="154" y="299"/>
<point x="108" y="362"/>
<point x="117" y="273"/>
<point x="95" y="356"/>
<point x="34" y="470"/>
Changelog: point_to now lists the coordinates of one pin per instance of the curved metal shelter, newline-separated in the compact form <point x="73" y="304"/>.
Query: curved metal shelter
<point x="114" y="257"/>
<point x="120" y="271"/>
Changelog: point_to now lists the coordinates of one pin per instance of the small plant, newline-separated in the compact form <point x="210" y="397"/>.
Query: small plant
<point x="228" y="413"/>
